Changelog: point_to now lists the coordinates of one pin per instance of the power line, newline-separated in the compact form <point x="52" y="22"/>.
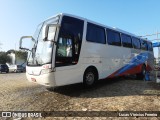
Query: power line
<point x="150" y="34"/>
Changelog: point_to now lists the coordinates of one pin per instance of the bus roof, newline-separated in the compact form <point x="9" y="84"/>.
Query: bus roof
<point x="112" y="28"/>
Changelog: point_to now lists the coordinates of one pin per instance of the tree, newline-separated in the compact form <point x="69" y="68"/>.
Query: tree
<point x="4" y="58"/>
<point x="10" y="51"/>
<point x="19" y="54"/>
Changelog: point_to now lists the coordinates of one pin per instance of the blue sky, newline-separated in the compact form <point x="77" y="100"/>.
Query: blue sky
<point x="21" y="17"/>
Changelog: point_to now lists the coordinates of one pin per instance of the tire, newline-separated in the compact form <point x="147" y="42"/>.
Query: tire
<point x="141" y="76"/>
<point x="90" y="77"/>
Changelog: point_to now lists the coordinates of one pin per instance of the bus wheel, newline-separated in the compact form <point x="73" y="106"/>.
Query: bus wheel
<point x="141" y="76"/>
<point x="90" y="77"/>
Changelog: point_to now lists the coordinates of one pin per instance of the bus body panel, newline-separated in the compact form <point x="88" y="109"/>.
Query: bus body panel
<point x="109" y="60"/>
<point x="45" y="79"/>
<point x="34" y="75"/>
<point x="74" y="74"/>
<point x="135" y="65"/>
<point x="114" y="60"/>
<point x="68" y="75"/>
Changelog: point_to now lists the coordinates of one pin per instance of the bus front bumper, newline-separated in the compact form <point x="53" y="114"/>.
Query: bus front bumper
<point x="43" y="79"/>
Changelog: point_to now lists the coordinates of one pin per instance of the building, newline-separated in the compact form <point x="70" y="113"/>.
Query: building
<point x="16" y="60"/>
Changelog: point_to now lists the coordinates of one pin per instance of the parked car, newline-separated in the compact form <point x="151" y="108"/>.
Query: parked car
<point x="12" y="68"/>
<point x="4" y="68"/>
<point x="16" y="68"/>
<point x="20" y="68"/>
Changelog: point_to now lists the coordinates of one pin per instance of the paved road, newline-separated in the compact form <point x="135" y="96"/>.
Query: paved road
<point x="17" y="94"/>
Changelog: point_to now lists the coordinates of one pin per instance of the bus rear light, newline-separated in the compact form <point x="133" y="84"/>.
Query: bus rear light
<point x="33" y="79"/>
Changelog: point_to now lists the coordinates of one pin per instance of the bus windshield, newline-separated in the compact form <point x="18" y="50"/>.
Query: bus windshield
<point x="43" y="49"/>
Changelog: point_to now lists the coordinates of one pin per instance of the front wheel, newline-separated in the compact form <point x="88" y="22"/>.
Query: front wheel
<point x="90" y="77"/>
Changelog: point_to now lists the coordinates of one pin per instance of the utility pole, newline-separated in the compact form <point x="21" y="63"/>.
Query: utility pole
<point x="158" y="48"/>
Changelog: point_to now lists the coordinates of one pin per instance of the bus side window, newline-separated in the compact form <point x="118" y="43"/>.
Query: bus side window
<point x="136" y="43"/>
<point x="144" y="45"/>
<point x="113" y="38"/>
<point x="126" y="41"/>
<point x="150" y="47"/>
<point x="95" y="34"/>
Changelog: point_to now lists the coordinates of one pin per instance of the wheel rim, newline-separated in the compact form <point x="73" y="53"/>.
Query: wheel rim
<point x="90" y="78"/>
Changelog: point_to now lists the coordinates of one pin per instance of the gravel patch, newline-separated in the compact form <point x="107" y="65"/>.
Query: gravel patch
<point x="121" y="94"/>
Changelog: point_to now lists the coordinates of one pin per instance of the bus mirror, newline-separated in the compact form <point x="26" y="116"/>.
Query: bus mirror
<point x="26" y="43"/>
<point x="50" y="31"/>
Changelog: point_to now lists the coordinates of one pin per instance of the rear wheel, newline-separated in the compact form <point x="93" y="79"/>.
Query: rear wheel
<point x="141" y="76"/>
<point x="90" y="77"/>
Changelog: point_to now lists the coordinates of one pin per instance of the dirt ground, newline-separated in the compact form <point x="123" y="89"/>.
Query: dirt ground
<point x="121" y="94"/>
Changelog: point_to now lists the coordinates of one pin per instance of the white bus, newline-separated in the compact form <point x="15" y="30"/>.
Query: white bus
<point x="69" y="49"/>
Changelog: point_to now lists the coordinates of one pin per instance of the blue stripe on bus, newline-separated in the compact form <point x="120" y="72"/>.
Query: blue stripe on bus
<point x="137" y="60"/>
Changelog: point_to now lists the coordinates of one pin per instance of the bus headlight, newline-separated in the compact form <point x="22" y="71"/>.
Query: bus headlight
<point x="45" y="71"/>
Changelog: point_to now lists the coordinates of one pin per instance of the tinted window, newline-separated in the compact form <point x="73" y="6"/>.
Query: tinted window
<point x="95" y="33"/>
<point x="144" y="45"/>
<point x="136" y="43"/>
<point x="4" y="65"/>
<point x="126" y="40"/>
<point x="69" y="41"/>
<point x="150" y="47"/>
<point x="19" y="66"/>
<point x="113" y="38"/>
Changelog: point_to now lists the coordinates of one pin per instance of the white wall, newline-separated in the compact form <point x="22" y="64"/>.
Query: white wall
<point x="13" y="58"/>
<point x="16" y="61"/>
